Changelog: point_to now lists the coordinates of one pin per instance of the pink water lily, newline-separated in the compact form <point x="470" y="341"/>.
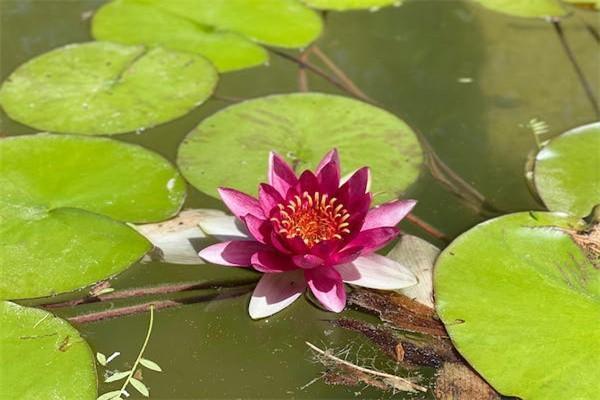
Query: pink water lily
<point x="314" y="231"/>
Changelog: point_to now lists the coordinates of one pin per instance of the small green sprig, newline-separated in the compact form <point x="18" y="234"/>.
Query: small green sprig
<point x="128" y="375"/>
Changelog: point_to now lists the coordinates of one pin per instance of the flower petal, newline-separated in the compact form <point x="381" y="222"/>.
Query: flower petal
<point x="281" y="176"/>
<point x="223" y="227"/>
<point x="327" y="286"/>
<point x="346" y="177"/>
<point x="240" y="203"/>
<point x="331" y="157"/>
<point x="388" y="214"/>
<point x="270" y="262"/>
<point x="329" y="178"/>
<point x="307" y="261"/>
<point x="274" y="292"/>
<point x="373" y="239"/>
<point x="377" y="272"/>
<point x="236" y="253"/>
<point x="259" y="229"/>
<point x="307" y="183"/>
<point x="357" y="183"/>
<point x="268" y="198"/>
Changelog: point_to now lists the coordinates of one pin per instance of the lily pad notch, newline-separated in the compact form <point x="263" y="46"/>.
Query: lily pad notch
<point x="102" y="88"/>
<point x="65" y="203"/>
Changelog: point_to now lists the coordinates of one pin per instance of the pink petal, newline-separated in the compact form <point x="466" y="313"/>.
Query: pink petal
<point x="331" y="157"/>
<point x="357" y="184"/>
<point x="373" y="239"/>
<point x="280" y="175"/>
<point x="274" y="292"/>
<point x="377" y="272"/>
<point x="259" y="229"/>
<point x="388" y="214"/>
<point x="237" y="253"/>
<point x="307" y="183"/>
<point x="329" y="178"/>
<point x="270" y="262"/>
<point x="240" y="203"/>
<point x="268" y="198"/>
<point x="346" y="177"/>
<point x="327" y="286"/>
<point x="307" y="261"/>
<point x="347" y="255"/>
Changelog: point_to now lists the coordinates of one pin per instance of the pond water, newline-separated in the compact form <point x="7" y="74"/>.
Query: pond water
<point x="467" y="78"/>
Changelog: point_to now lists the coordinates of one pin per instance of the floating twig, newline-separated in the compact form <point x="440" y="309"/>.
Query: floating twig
<point x="393" y="381"/>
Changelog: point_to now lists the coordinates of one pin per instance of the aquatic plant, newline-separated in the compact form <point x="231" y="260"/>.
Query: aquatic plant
<point x="312" y="231"/>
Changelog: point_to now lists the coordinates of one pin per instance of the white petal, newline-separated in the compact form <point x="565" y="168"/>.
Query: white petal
<point x="276" y="291"/>
<point x="222" y="226"/>
<point x="419" y="256"/>
<point x="377" y="272"/>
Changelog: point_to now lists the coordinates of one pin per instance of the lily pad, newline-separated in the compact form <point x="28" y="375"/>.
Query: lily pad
<point x="526" y="8"/>
<point x="224" y="31"/>
<point x="43" y="172"/>
<point x="521" y="301"/>
<point x="43" y="357"/>
<point x="54" y="190"/>
<point x="106" y="88"/>
<point x="302" y="127"/>
<point x="567" y="171"/>
<point x="138" y="22"/>
<point x="343" y="5"/>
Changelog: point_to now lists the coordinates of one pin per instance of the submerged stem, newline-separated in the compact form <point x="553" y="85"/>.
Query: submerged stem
<point x="571" y="56"/>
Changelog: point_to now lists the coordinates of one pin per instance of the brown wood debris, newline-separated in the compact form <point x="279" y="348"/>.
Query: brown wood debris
<point x="399" y="311"/>
<point x="456" y="381"/>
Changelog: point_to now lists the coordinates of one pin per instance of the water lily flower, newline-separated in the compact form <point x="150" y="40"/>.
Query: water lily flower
<point x="314" y="231"/>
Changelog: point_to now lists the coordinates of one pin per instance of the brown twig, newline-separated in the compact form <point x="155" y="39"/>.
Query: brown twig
<point x="146" y="291"/>
<point x="571" y="56"/>
<point x="158" y="305"/>
<point x="302" y="77"/>
<point x="430" y="230"/>
<point x="341" y="75"/>
<point x="229" y="99"/>
<point x="310" y="67"/>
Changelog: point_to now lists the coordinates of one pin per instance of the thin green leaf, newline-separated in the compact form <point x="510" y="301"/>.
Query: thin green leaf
<point x="101" y="359"/>
<point x="117" y="376"/>
<point x="150" y="365"/>
<point x="110" y="395"/>
<point x="140" y="387"/>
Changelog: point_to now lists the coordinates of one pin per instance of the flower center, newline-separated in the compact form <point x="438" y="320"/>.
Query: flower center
<point x="312" y="218"/>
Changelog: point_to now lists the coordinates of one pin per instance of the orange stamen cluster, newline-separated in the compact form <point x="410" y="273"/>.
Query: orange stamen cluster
<point x="313" y="218"/>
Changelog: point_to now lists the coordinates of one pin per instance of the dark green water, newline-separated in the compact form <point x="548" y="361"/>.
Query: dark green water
<point x="467" y="78"/>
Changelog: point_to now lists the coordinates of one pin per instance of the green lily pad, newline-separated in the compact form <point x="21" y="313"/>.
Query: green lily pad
<point x="343" y="5"/>
<point x="526" y="8"/>
<point x="302" y="127"/>
<point x="43" y="172"/>
<point x="221" y="30"/>
<point x="106" y="88"/>
<point x="43" y="357"/>
<point x="521" y="303"/>
<point x="137" y="22"/>
<point x="567" y="171"/>
<point x="282" y="23"/>
<point x="54" y="190"/>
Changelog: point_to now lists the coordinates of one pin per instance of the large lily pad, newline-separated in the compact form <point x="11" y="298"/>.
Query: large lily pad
<point x="521" y="303"/>
<point x="224" y="31"/>
<point x="526" y="8"/>
<point x="302" y="127"/>
<point x="54" y="189"/>
<point x="138" y="22"/>
<point x="43" y="357"/>
<point x="567" y="171"/>
<point x="106" y="88"/>
<point x="343" y="5"/>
